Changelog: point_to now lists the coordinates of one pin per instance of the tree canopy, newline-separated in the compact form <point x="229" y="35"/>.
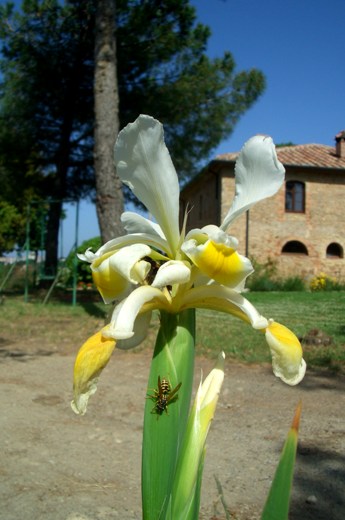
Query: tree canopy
<point x="46" y="104"/>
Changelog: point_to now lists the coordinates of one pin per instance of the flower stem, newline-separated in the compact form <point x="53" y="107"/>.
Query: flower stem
<point x="173" y="360"/>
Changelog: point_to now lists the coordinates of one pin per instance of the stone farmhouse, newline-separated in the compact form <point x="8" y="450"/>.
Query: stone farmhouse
<point x="301" y="228"/>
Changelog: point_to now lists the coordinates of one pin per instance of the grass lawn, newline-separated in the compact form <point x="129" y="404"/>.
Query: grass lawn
<point x="302" y="312"/>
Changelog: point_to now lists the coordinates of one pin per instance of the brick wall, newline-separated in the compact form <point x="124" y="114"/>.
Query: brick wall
<point x="202" y="198"/>
<point x="271" y="227"/>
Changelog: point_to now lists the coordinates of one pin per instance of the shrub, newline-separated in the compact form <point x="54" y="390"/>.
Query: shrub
<point x="324" y="282"/>
<point x="265" y="278"/>
<point x="292" y="283"/>
<point x="84" y="277"/>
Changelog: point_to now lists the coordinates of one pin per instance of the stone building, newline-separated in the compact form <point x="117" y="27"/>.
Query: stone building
<point x="301" y="228"/>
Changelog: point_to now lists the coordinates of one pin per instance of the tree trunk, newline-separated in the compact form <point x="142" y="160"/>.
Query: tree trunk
<point x="109" y="198"/>
<point x="52" y="238"/>
<point x="59" y="189"/>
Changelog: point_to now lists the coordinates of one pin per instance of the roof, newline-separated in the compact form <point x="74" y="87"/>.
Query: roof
<point x="317" y="155"/>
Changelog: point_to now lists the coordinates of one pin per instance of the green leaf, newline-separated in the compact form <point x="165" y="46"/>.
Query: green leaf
<point x="195" y="504"/>
<point x="277" y="503"/>
<point x="186" y="489"/>
<point x="173" y="359"/>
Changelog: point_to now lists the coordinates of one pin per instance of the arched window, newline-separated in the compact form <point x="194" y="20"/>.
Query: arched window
<point x="296" y="247"/>
<point x="334" y="250"/>
<point x="295" y="197"/>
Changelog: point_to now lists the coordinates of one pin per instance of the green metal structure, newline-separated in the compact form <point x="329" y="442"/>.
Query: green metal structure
<point x="42" y="274"/>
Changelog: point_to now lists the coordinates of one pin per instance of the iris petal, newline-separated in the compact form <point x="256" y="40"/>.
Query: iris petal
<point x="122" y="324"/>
<point x="258" y="174"/>
<point x="170" y="273"/>
<point x="220" y="298"/>
<point x="144" y="164"/>
<point x="108" y="281"/>
<point x="219" y="261"/>
<point x="288" y="363"/>
<point x="92" y="357"/>
<point x="134" y="223"/>
<point x="140" y="329"/>
<point x="114" y="272"/>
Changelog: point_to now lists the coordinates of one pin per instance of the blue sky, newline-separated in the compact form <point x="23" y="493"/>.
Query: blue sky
<point x="298" y="46"/>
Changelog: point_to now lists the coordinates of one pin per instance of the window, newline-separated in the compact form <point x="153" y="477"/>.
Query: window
<point x="295" y="197"/>
<point x="334" y="250"/>
<point x="296" y="247"/>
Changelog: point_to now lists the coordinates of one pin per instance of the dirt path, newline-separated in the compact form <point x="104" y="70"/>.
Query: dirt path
<point x="57" y="466"/>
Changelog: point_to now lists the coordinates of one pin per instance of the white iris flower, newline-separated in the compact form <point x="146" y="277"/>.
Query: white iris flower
<point x="157" y="266"/>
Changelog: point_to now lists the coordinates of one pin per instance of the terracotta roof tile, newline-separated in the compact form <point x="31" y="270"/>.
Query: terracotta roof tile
<point x="318" y="155"/>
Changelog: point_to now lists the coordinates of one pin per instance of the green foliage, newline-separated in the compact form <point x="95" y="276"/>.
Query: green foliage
<point x="282" y="145"/>
<point x="47" y="98"/>
<point x="44" y="99"/>
<point x="265" y="278"/>
<point x="10" y="221"/>
<point x="83" y="268"/>
<point x="47" y="64"/>
<point x="262" y="278"/>
<point x="172" y="79"/>
<point x="277" y="504"/>
<point x="291" y="283"/>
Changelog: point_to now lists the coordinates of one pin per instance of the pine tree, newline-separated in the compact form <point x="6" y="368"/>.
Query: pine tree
<point x="47" y="94"/>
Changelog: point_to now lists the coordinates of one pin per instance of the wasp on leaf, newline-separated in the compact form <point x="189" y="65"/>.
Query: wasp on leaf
<point x="163" y="396"/>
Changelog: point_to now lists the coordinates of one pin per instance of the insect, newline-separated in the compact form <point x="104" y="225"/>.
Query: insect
<point x="153" y="269"/>
<point x="163" y="396"/>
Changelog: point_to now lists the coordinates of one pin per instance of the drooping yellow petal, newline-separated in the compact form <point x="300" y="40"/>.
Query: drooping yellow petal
<point x="288" y="363"/>
<point x="92" y="357"/>
<point x="219" y="261"/>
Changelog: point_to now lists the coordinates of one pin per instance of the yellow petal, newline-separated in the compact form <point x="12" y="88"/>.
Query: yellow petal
<point x="221" y="263"/>
<point x="108" y="281"/>
<point x="288" y="363"/>
<point x="92" y="357"/>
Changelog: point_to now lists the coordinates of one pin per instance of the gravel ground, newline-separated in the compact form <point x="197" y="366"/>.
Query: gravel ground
<point x="57" y="466"/>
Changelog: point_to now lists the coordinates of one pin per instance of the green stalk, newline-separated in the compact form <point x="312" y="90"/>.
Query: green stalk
<point x="173" y="359"/>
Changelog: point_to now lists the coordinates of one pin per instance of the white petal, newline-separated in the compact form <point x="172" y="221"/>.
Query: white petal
<point x="143" y="163"/>
<point x="258" y="174"/>
<point x="125" y="261"/>
<point x="114" y="244"/>
<point x="220" y="298"/>
<point x="117" y="243"/>
<point x="140" y="329"/>
<point x="125" y="315"/>
<point x="170" y="273"/>
<point x="211" y="232"/>
<point x="88" y="256"/>
<point x="134" y="223"/>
